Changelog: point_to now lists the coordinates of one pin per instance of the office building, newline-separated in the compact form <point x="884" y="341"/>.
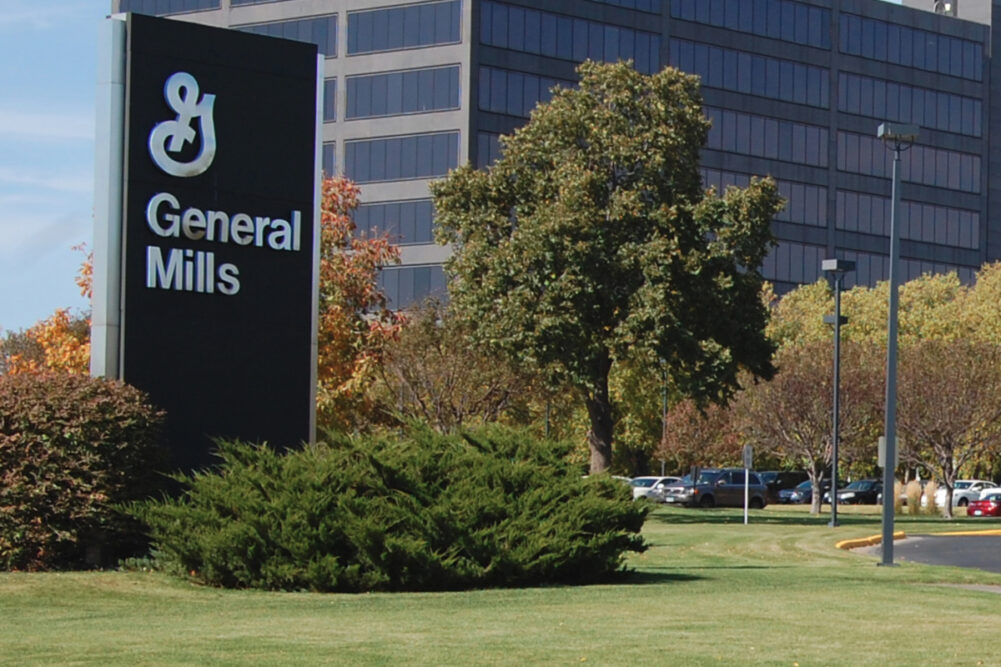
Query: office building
<point x="795" y="89"/>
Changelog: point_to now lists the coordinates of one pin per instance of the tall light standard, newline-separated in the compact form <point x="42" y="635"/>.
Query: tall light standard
<point x="837" y="268"/>
<point x="898" y="138"/>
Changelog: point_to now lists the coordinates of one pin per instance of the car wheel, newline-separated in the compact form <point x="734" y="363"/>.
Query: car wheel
<point x="756" y="504"/>
<point x="707" y="501"/>
<point x="963" y="502"/>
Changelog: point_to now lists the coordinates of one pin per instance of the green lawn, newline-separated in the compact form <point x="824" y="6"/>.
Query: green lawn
<point x="709" y="591"/>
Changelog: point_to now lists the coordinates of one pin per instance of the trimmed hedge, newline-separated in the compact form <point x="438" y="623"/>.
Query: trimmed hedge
<point x="418" y="512"/>
<point x="71" y="448"/>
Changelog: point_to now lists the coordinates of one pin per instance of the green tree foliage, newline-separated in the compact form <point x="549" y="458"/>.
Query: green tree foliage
<point x="591" y="241"/>
<point x="420" y="512"/>
<point x="71" y="448"/>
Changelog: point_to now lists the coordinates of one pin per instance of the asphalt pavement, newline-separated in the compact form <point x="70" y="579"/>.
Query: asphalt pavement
<point x="982" y="552"/>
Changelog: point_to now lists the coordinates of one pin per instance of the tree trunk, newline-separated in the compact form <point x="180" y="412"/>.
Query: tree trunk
<point x="599" y="409"/>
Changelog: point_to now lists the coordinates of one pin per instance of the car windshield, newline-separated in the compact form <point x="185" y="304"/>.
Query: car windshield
<point x="962" y="485"/>
<point x="643" y="481"/>
<point x="993" y="497"/>
<point x="859" y="485"/>
<point x="705" y="477"/>
<point x="805" y="486"/>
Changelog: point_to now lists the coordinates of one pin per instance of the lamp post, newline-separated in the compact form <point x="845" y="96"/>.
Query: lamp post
<point x="898" y="138"/>
<point x="837" y="268"/>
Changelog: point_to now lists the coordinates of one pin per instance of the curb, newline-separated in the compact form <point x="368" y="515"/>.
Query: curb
<point x="972" y="533"/>
<point x="870" y="541"/>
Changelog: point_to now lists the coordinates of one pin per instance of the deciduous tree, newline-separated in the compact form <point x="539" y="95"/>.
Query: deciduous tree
<point x="791" y="415"/>
<point x="591" y="241"/>
<point x="354" y="318"/>
<point x="950" y="405"/>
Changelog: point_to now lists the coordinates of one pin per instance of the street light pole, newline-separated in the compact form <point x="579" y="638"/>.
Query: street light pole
<point x="838" y="268"/>
<point x="899" y="138"/>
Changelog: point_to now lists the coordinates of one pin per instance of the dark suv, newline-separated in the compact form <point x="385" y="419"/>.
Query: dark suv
<point x="780" y="480"/>
<point x="718" y="487"/>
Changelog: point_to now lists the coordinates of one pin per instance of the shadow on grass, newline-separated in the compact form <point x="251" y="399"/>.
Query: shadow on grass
<point x="652" y="576"/>
<point x="676" y="515"/>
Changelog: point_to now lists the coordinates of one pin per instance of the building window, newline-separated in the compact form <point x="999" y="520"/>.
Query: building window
<point x="406" y="92"/>
<point x="806" y="204"/>
<point x="929" y="223"/>
<point x="405" y="27"/>
<point x="515" y="93"/>
<point x="753" y="74"/>
<point x="321" y="31"/>
<point x="652" y="6"/>
<point x="401" y="158"/>
<point x="328" y="157"/>
<point x="566" y="37"/>
<point x="329" y="100"/>
<point x="779" y="19"/>
<point x="406" y="222"/>
<point x="488" y="149"/>
<point x="406" y="286"/>
<point x="898" y="102"/>
<point x="162" y="7"/>
<point x="910" y="47"/>
<point x="761" y="136"/>
<point x="793" y="263"/>
<point x="862" y="154"/>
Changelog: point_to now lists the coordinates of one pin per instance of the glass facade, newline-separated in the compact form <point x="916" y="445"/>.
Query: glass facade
<point x="515" y="93"/>
<point x="321" y="31"/>
<point x="409" y="91"/>
<point x="806" y="204"/>
<point x="743" y="72"/>
<point x="903" y="45"/>
<point x="404" y="27"/>
<point x="567" y="37"/>
<point x="901" y="103"/>
<point x="401" y="158"/>
<point x="863" y="154"/>
<point x="163" y="7"/>
<point x="929" y="223"/>
<point x="406" y="222"/>
<point x="762" y="136"/>
<point x="652" y="6"/>
<point x="406" y="286"/>
<point x="779" y="19"/>
<point x="329" y="100"/>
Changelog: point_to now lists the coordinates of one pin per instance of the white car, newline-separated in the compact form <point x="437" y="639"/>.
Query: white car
<point x="650" y="487"/>
<point x="964" y="491"/>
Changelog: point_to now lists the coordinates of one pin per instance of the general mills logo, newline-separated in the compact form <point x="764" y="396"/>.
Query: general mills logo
<point x="170" y="136"/>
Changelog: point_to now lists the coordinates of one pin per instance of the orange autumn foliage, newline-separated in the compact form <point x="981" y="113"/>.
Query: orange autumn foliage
<point x="354" y="320"/>
<point x="64" y="340"/>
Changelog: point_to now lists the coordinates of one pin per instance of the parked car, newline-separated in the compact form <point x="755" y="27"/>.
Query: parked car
<point x="718" y="487"/>
<point x="964" y="491"/>
<point x="803" y="492"/>
<point x="777" y="481"/>
<point x="647" y="487"/>
<point x="989" y="505"/>
<point x="860" y="492"/>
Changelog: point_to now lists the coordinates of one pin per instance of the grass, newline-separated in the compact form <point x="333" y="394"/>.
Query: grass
<point x="709" y="591"/>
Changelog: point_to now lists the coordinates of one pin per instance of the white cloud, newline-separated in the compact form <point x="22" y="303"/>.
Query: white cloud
<point x="78" y="183"/>
<point x="22" y="14"/>
<point x="42" y="125"/>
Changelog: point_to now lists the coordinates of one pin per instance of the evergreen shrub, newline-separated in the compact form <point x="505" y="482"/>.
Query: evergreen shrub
<point x="421" y="511"/>
<point x="71" y="448"/>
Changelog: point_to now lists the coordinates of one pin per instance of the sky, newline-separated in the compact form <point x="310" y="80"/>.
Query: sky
<point x="48" y="61"/>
